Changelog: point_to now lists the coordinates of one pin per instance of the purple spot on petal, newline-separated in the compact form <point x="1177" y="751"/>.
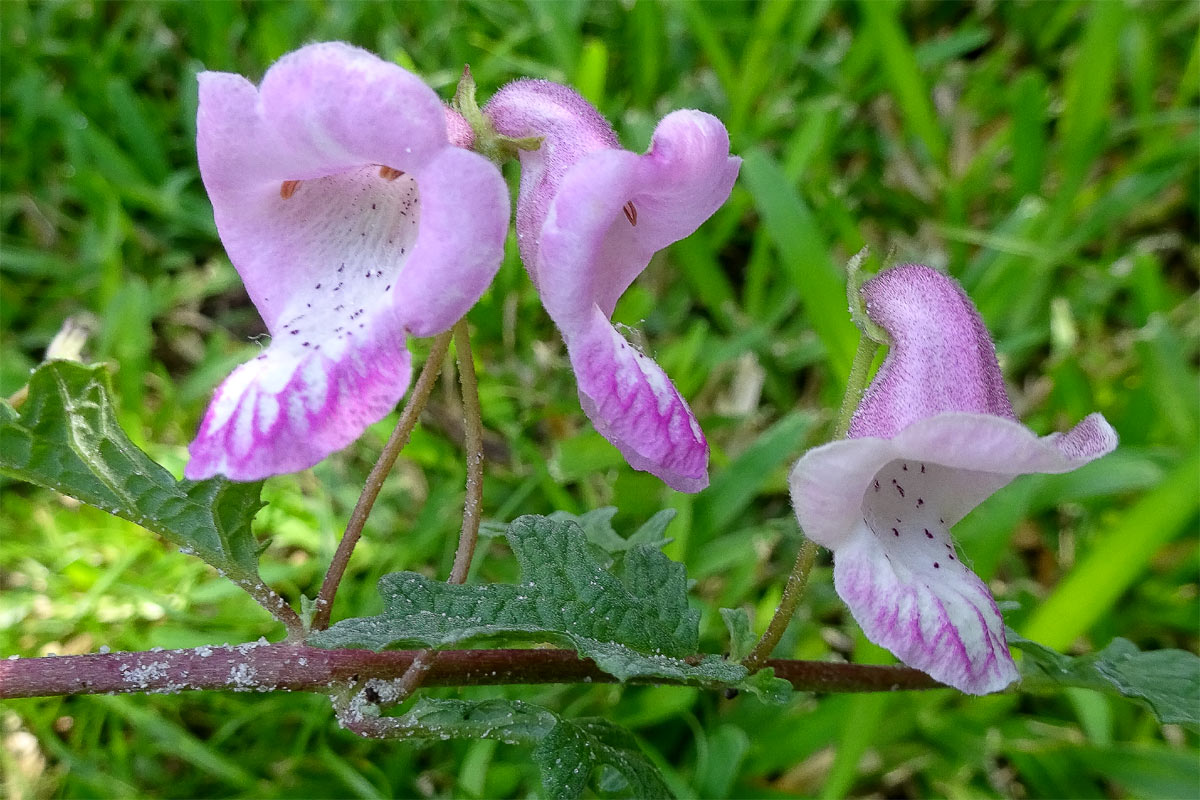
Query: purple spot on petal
<point x="895" y="532"/>
<point x="928" y="535"/>
<point x="936" y="565"/>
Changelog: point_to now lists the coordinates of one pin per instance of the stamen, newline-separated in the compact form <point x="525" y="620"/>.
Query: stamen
<point x="288" y="188"/>
<point x="630" y="213"/>
<point x="389" y="174"/>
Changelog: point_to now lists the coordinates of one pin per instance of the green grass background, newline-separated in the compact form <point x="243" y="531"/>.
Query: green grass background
<point x="1045" y="154"/>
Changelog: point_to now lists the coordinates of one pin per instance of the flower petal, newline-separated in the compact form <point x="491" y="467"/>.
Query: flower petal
<point x="589" y="218"/>
<point x="326" y="119"/>
<point x="635" y="406"/>
<point x="296" y="403"/>
<point x="614" y="210"/>
<point x="464" y="208"/>
<point x="941" y="357"/>
<point x="352" y="220"/>
<point x="982" y="453"/>
<point x="334" y="106"/>
<point x="940" y="620"/>
<point x="570" y="128"/>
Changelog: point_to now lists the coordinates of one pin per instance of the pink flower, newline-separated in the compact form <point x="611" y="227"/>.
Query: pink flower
<point x="354" y="223"/>
<point x="589" y="218"/>
<point x="934" y="436"/>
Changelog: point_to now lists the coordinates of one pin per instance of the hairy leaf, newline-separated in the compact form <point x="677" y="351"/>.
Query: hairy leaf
<point x="66" y="438"/>
<point x="608" y="545"/>
<point x="511" y="721"/>
<point x="741" y="632"/>
<point x="575" y="748"/>
<point x="768" y="688"/>
<point x="634" y="623"/>
<point x="567" y="751"/>
<point x="1168" y="681"/>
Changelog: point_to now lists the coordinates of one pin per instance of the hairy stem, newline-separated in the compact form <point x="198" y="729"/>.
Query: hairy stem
<point x="295" y="667"/>
<point x="798" y="578"/>
<point x="473" y="444"/>
<point x="792" y="592"/>
<point x="387" y="458"/>
<point x="856" y="385"/>
<point x="472" y="505"/>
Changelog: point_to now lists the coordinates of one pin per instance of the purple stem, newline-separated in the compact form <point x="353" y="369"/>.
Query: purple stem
<point x="293" y="667"/>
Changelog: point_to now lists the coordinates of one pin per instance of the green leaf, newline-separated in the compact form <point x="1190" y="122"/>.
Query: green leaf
<point x="66" y="438"/>
<point x="598" y="528"/>
<point x="634" y="623"/>
<point x="1168" y="681"/>
<point x="574" y="748"/>
<point x="510" y="721"/>
<point x="567" y="751"/>
<point x="651" y="532"/>
<point x="768" y="688"/>
<point x="741" y="632"/>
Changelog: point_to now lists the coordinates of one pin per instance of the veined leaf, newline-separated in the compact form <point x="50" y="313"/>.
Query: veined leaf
<point x="574" y="748"/>
<point x="741" y="632"/>
<point x="66" y="438"/>
<point x="634" y="623"/>
<point x="1168" y="681"/>
<point x="567" y="751"/>
<point x="598" y="528"/>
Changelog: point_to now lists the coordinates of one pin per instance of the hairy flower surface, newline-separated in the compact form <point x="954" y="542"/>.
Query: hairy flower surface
<point x="589" y="218"/>
<point x="935" y="435"/>
<point x="354" y="222"/>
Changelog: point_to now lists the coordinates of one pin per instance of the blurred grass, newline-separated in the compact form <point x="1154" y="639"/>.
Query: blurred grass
<point x="1044" y="154"/>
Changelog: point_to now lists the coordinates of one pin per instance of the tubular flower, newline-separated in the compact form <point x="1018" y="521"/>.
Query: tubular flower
<point x="935" y="435"/>
<point x="353" y="222"/>
<point x="589" y="218"/>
